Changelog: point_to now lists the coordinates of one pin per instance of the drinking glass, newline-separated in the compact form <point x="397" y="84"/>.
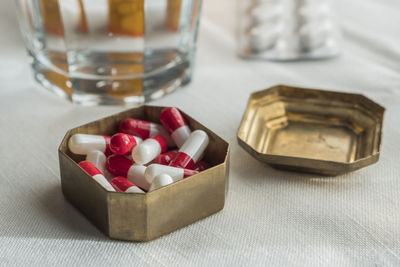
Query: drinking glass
<point x="110" y="51"/>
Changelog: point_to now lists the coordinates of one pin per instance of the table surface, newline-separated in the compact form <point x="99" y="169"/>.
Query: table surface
<point x="271" y="217"/>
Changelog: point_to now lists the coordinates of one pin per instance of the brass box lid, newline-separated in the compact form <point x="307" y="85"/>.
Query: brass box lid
<point x="315" y="131"/>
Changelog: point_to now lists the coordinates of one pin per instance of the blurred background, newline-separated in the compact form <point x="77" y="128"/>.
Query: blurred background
<point x="369" y="36"/>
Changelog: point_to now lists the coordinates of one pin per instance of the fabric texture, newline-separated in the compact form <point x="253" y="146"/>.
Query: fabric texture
<point x="271" y="217"/>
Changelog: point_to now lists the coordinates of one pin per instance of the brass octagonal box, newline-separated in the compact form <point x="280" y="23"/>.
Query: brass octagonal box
<point x="143" y="217"/>
<point x="315" y="131"/>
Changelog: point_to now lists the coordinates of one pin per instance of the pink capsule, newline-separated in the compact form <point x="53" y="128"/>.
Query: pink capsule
<point x="144" y="129"/>
<point x="175" y="125"/>
<point x="165" y="158"/>
<point x="149" y="149"/>
<point x="122" y="144"/>
<point x="191" y="151"/>
<point x="176" y="173"/>
<point x="201" y="166"/>
<point x="89" y="167"/>
<point x="122" y="166"/>
<point x="82" y="144"/>
<point x="124" y="185"/>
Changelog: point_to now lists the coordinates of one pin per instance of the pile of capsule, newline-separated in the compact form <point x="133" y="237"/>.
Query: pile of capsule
<point x="142" y="156"/>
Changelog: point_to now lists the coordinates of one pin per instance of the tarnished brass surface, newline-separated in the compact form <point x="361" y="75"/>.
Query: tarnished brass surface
<point x="143" y="217"/>
<point x="314" y="131"/>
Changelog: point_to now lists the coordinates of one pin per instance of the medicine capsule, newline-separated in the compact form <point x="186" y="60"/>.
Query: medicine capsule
<point x="165" y="158"/>
<point x="176" y="173"/>
<point x="122" y="166"/>
<point x="144" y="129"/>
<point x="161" y="180"/>
<point x="191" y="151"/>
<point x="98" y="159"/>
<point x="89" y="167"/>
<point x="82" y="144"/>
<point x="122" y="144"/>
<point x="149" y="149"/>
<point x="175" y="125"/>
<point x="124" y="185"/>
<point x="201" y="166"/>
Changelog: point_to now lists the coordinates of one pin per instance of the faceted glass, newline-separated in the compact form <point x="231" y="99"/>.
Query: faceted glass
<point x="110" y="51"/>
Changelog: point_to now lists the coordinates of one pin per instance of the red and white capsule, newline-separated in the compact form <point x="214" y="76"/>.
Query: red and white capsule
<point x="175" y="125"/>
<point x="121" y="166"/>
<point x="144" y="129"/>
<point x="89" y="167"/>
<point x="124" y="185"/>
<point x="149" y="149"/>
<point x="191" y="151"/>
<point x="82" y="144"/>
<point x="165" y="158"/>
<point x="176" y="173"/>
<point x="122" y="144"/>
<point x="161" y="180"/>
<point x="98" y="159"/>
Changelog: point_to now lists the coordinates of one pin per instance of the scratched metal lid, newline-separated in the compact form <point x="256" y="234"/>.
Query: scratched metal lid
<point x="309" y="130"/>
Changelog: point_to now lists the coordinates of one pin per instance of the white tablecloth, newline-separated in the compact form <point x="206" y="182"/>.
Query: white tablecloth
<point x="271" y="217"/>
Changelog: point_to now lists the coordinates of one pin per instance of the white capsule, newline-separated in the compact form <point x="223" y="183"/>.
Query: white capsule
<point x="96" y="174"/>
<point x="136" y="176"/>
<point x="144" y="129"/>
<point x="101" y="179"/>
<point x="176" y="173"/>
<point x="134" y="189"/>
<point x="175" y="125"/>
<point x="157" y="129"/>
<point x="161" y="180"/>
<point x="196" y="145"/>
<point x="82" y="144"/>
<point x="181" y="134"/>
<point x="98" y="159"/>
<point x="149" y="149"/>
<point x="191" y="151"/>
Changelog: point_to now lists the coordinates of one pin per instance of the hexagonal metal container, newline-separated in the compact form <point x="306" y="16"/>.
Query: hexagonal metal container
<point x="315" y="131"/>
<point x="143" y="217"/>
